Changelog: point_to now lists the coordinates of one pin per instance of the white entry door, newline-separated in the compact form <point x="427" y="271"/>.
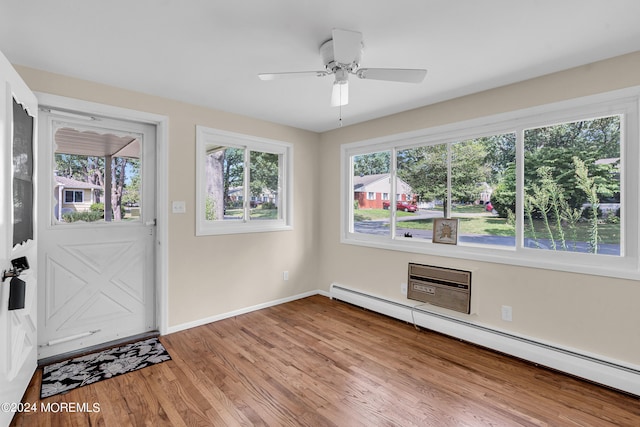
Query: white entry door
<point x="97" y="233"/>
<point x="18" y="302"/>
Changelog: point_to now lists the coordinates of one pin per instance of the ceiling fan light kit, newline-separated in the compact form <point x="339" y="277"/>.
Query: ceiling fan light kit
<point x="341" y="56"/>
<point x="340" y="93"/>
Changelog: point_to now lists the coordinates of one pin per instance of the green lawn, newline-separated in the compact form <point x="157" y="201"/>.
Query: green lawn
<point x="256" y="213"/>
<point x="463" y="209"/>
<point x="608" y="233"/>
<point x="494" y="226"/>
<point x="371" y="214"/>
<point x="483" y="225"/>
<point x="490" y="225"/>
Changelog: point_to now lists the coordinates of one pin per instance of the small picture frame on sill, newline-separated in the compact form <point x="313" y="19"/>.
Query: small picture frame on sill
<point x="445" y="230"/>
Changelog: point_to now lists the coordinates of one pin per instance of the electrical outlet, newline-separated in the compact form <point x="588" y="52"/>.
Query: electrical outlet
<point x="403" y="288"/>
<point x="507" y="313"/>
<point x="285" y="275"/>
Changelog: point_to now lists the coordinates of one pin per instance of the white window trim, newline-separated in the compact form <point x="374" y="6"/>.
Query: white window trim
<point x="625" y="101"/>
<point x="206" y="136"/>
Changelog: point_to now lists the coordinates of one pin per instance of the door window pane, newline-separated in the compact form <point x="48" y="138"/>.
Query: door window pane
<point x="81" y="182"/>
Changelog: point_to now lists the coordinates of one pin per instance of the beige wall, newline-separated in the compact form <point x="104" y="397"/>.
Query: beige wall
<point x="594" y="314"/>
<point x="217" y="274"/>
<point x="214" y="275"/>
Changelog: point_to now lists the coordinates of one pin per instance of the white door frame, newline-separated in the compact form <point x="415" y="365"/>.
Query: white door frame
<point x="162" y="182"/>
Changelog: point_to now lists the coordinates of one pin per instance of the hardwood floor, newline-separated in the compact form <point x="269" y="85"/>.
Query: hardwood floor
<point x="319" y="362"/>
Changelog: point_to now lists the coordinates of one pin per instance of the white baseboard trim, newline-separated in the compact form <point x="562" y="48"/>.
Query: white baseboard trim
<point x="200" y="322"/>
<point x="592" y="367"/>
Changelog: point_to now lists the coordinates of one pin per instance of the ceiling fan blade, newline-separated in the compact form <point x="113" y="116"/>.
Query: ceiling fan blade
<point x="392" y="74"/>
<point x="347" y="46"/>
<point x="291" y="75"/>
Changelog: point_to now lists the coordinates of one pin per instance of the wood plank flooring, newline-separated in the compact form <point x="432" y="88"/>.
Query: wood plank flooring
<point x="319" y="362"/>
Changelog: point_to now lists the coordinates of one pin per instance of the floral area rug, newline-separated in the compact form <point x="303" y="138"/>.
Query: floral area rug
<point x="65" y="376"/>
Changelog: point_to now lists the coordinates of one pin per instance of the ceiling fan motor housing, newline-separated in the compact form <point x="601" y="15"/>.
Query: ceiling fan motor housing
<point x="326" y="52"/>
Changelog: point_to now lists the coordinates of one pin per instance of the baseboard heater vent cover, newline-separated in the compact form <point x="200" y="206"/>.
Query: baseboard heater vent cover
<point x="444" y="287"/>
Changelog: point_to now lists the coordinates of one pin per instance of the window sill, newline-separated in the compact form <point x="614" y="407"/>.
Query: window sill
<point x="618" y="267"/>
<point x="240" y="228"/>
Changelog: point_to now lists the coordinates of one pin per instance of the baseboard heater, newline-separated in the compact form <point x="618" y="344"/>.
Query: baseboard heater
<point x="610" y="373"/>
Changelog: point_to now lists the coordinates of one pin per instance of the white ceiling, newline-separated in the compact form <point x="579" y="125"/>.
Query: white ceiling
<point x="209" y="52"/>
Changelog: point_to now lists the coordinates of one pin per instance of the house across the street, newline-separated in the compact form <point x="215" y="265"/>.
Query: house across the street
<point x="372" y="190"/>
<point x="76" y="196"/>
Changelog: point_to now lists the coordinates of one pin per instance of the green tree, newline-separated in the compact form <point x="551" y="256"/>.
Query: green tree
<point x="425" y="170"/>
<point x="91" y="169"/>
<point x="131" y="192"/>
<point x="500" y="155"/>
<point x="233" y="172"/>
<point x="553" y="147"/>
<point x="118" y="179"/>
<point x="469" y="170"/>
<point x="372" y="164"/>
<point x="503" y="198"/>
<point x="600" y="135"/>
<point x="82" y="168"/>
<point x="215" y="183"/>
<point x="264" y="173"/>
<point x="225" y="168"/>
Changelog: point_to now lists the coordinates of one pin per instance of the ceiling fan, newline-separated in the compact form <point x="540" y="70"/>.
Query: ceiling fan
<point x="341" y="57"/>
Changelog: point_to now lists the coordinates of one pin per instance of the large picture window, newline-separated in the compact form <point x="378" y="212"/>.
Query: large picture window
<point x="243" y="183"/>
<point x="550" y="187"/>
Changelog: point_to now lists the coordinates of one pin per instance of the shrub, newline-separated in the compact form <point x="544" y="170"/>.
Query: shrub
<point x="97" y="207"/>
<point x="210" y="209"/>
<point x="503" y="200"/>
<point x="82" y="216"/>
<point x="503" y="197"/>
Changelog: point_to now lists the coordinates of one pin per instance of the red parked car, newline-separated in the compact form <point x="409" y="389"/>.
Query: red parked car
<point x="401" y="206"/>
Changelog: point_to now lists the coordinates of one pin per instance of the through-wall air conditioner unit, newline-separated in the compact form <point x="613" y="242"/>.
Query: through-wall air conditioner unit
<point x="444" y="287"/>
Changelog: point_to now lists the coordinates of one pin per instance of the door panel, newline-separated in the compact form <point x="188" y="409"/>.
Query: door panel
<point x="96" y="288"/>
<point x="98" y="272"/>
<point x="18" y="334"/>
